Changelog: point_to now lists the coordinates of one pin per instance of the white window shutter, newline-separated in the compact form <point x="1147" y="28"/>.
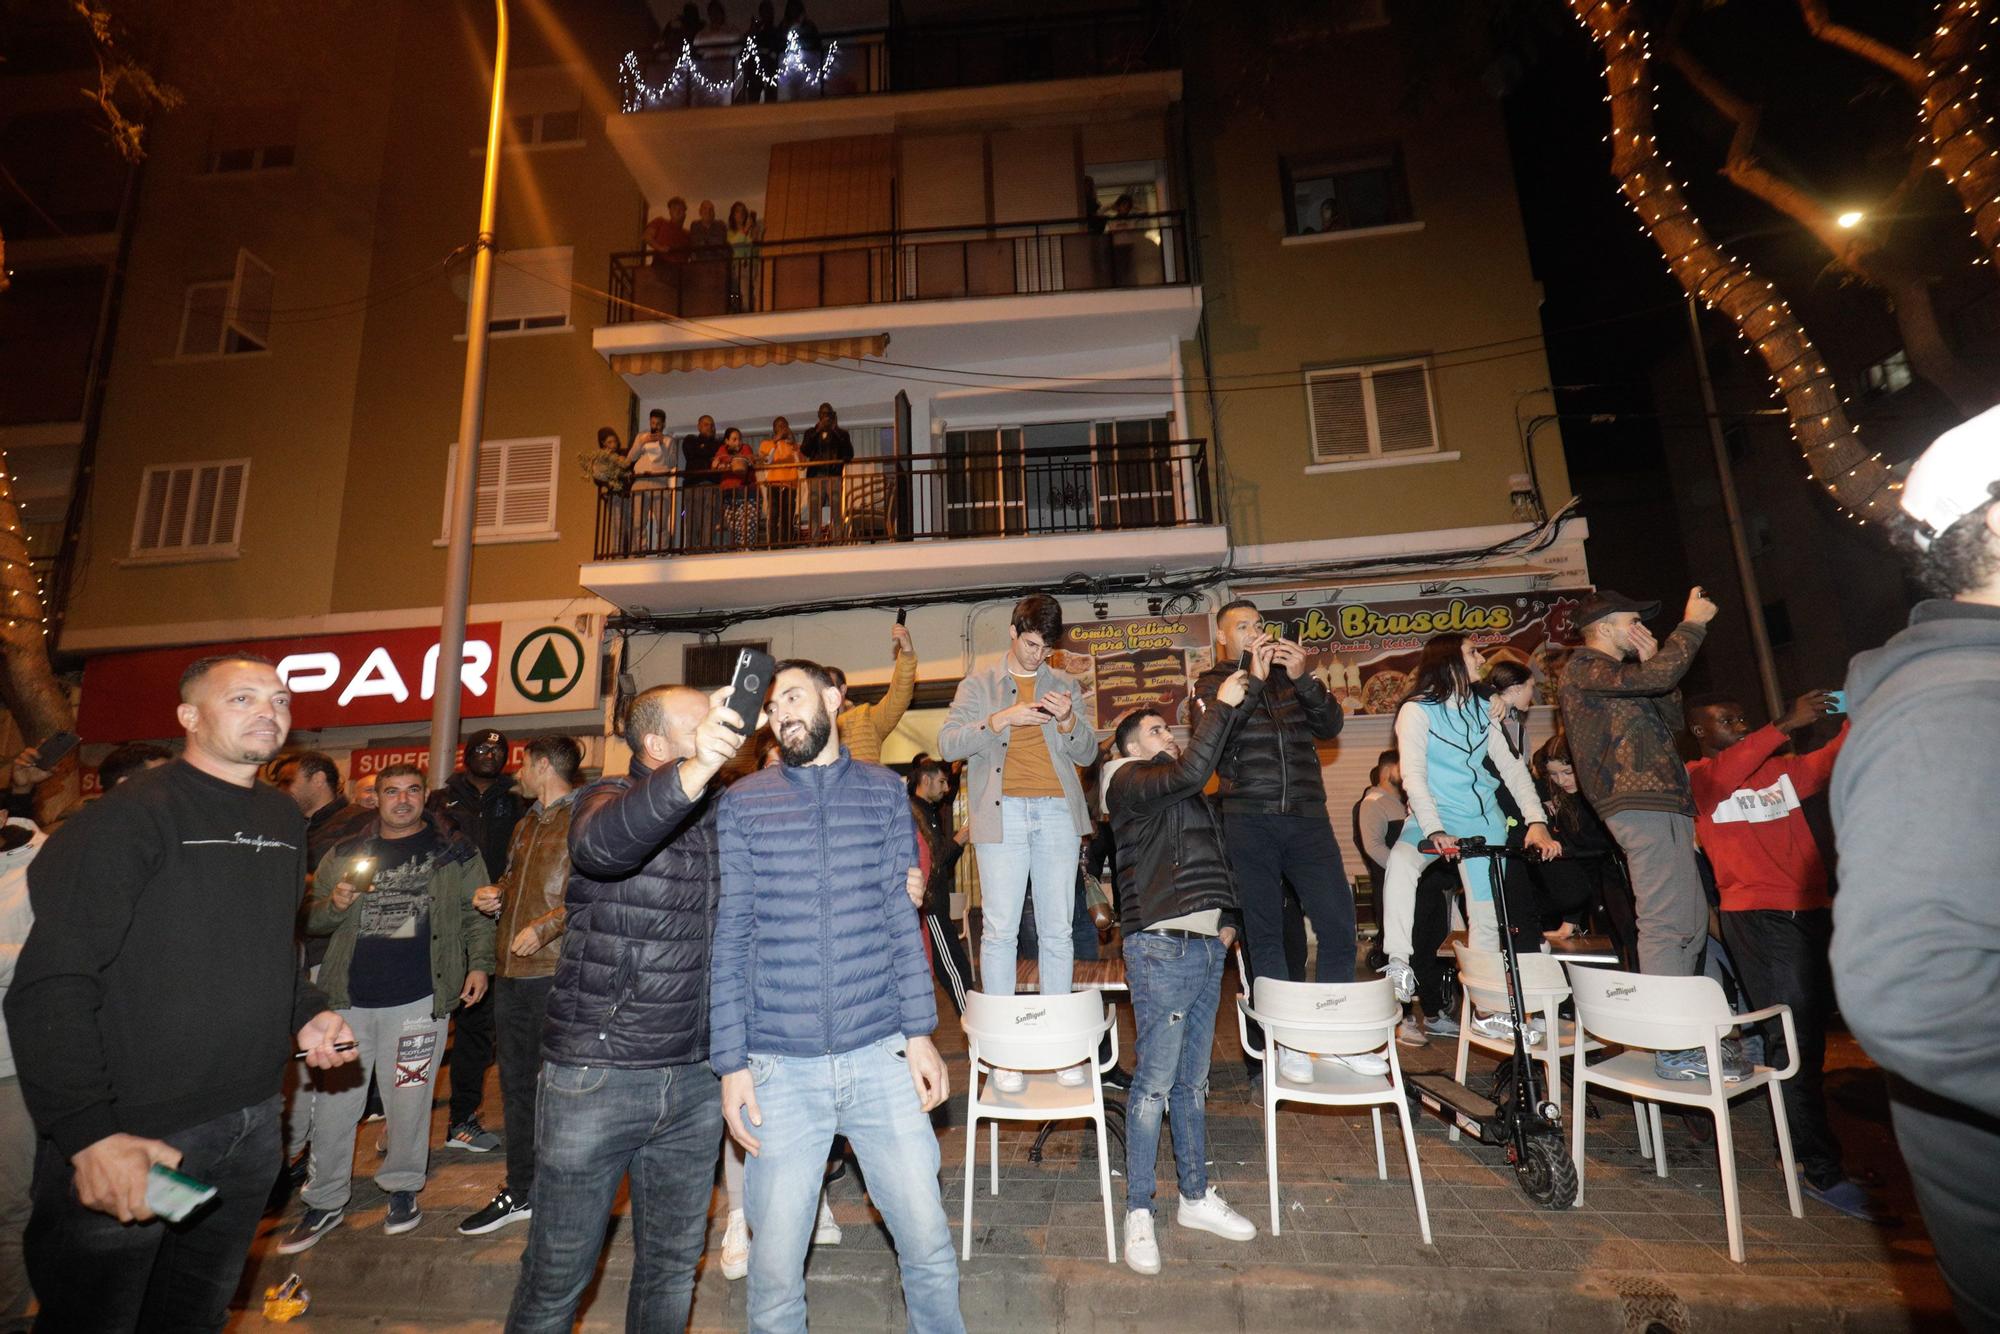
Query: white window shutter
<point x="1403" y="410"/>
<point x="202" y="319"/>
<point x="250" y="296"/>
<point x="528" y="499"/>
<point x="1339" y="416"/>
<point x="190" y="507"/>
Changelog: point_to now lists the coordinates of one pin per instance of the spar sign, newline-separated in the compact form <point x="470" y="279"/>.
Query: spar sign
<point x="362" y="679"/>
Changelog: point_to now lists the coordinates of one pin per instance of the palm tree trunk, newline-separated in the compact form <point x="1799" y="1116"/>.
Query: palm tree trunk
<point x="28" y="684"/>
<point x="1857" y="479"/>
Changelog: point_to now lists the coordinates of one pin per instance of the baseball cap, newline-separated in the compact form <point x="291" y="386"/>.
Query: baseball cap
<point x="1954" y="477"/>
<point x="486" y="736"/>
<point x="1604" y="602"/>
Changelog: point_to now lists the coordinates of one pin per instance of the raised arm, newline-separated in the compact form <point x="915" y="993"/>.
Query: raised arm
<point x="1657" y="675"/>
<point x="1145" y="787"/>
<point x="890" y="708"/>
<point x="615" y="830"/>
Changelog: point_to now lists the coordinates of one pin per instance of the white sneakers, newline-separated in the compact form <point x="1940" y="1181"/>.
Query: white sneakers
<point x="1010" y="1081"/>
<point x="1073" y="1077"/>
<point x="1142" y="1252"/>
<point x="1207" y="1214"/>
<point x="1402" y="978"/>
<point x="826" y="1232"/>
<point x="1210" y="1214"/>
<point x="1294" y="1067"/>
<point x="736" y="1246"/>
<point x="1500" y="1026"/>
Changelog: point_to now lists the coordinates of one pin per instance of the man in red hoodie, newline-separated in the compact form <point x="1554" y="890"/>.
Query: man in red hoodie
<point x="1777" y="919"/>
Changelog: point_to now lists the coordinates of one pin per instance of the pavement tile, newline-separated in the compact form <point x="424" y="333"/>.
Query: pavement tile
<point x="1617" y="1253"/>
<point x="1651" y="1227"/>
<point x="1386" y="1222"/>
<point x="1400" y="1253"/>
<point x="1475" y="1253"/>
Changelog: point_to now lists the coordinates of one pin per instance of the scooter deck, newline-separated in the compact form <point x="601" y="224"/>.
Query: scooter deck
<point x="1473" y="1113"/>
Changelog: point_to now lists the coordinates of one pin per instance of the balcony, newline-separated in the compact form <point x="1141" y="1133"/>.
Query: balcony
<point x="907" y="524"/>
<point x="806" y="65"/>
<point x="1137" y="250"/>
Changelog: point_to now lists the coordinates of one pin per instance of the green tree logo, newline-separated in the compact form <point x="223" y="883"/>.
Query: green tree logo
<point x="554" y="659"/>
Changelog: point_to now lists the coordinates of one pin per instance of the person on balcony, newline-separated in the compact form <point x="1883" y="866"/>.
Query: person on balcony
<point x="668" y="237"/>
<point x="743" y="232"/>
<point x="700" y="501"/>
<point x="735" y="468"/>
<point x="652" y="459"/>
<point x="779" y="465"/>
<point x="828" y="450"/>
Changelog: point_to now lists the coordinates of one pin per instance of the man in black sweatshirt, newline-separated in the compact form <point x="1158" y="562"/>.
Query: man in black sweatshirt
<point x="1916" y="925"/>
<point x="153" y="1010"/>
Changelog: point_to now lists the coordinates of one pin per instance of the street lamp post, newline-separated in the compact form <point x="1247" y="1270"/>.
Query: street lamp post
<point x="471" y="423"/>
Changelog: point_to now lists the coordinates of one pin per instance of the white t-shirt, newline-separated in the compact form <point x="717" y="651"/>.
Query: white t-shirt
<point x="652" y="456"/>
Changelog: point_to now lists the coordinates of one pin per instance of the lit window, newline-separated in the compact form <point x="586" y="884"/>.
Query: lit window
<point x="1890" y="374"/>
<point x="1345" y="194"/>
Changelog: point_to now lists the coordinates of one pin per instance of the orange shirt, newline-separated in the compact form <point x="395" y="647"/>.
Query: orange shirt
<point x="1030" y="771"/>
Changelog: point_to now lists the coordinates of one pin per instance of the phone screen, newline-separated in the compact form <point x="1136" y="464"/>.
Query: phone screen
<point x="1243" y="661"/>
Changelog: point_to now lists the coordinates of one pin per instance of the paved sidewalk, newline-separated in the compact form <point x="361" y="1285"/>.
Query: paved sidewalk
<point x="1641" y="1253"/>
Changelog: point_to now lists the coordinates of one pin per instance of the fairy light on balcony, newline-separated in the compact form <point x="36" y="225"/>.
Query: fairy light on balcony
<point x="792" y="64"/>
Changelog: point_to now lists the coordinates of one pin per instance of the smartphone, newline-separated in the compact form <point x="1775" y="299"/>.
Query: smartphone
<point x="748" y="684"/>
<point x="1838" y="702"/>
<point x="902" y="615"/>
<point x="361" y="874"/>
<point x="52" y="750"/>
<point x="174" y="1195"/>
<point x="1243" y="661"/>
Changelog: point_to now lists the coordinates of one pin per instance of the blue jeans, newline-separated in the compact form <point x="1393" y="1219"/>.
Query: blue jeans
<point x="95" y="1274"/>
<point x="1038" y="842"/>
<point x="1176" y="984"/>
<point x="867" y="1095"/>
<point x="594" y="1124"/>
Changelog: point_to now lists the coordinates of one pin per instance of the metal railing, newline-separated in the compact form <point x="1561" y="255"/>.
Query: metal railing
<point x="910" y="497"/>
<point x="899" y="58"/>
<point x="924" y="264"/>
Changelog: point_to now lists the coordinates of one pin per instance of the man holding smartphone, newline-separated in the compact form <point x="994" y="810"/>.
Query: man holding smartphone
<point x="134" y="1048"/>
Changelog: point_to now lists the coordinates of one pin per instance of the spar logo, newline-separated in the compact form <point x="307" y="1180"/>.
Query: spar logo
<point x="547" y="664"/>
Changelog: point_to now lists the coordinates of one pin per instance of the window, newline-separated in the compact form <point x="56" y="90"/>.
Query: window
<point x="1345" y="194"/>
<point x="544" y="106"/>
<point x="247" y="139"/>
<point x="1377" y="411"/>
<point x="221" y="319"/>
<point x="1890" y="374"/>
<point x="190" y="509"/>
<point x="530" y="290"/>
<point x="516" y="494"/>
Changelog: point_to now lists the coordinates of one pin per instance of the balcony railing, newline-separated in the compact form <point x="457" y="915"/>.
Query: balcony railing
<point x="805" y="64"/>
<point x="927" y="264"/>
<point x="1039" y="491"/>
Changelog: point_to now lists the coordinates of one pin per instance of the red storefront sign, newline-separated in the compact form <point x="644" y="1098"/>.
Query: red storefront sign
<point x="354" y="680"/>
<point x="373" y="760"/>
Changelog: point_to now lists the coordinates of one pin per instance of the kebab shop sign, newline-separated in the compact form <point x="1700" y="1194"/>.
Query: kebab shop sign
<point x="1137" y="662"/>
<point x="362" y="679"/>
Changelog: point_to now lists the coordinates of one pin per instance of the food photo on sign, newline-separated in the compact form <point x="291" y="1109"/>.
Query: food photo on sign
<point x="1365" y="653"/>
<point x="1136" y="662"/>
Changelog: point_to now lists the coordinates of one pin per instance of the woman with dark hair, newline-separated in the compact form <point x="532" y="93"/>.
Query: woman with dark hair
<point x="1509" y="688"/>
<point x="1572" y="888"/>
<point x="1446" y="736"/>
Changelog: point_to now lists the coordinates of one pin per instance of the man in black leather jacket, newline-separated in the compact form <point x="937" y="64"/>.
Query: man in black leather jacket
<point x="625" y="1085"/>
<point x="1275" y="824"/>
<point x="1179" y="910"/>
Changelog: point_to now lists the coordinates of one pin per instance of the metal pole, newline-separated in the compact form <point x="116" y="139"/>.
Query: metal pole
<point x="471" y="422"/>
<point x="1746" y="573"/>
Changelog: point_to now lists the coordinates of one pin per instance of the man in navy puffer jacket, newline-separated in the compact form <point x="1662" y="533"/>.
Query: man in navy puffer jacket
<point x="822" y="1006"/>
<point x="625" y="1083"/>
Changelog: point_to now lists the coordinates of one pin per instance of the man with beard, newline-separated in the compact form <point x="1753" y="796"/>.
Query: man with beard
<point x="833" y="1037"/>
<point x="134" y="1047"/>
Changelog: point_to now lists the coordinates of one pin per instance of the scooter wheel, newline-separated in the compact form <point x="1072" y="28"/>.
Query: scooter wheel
<point x="1546" y="1173"/>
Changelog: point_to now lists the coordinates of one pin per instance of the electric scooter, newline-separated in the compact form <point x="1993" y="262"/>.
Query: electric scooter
<point x="1523" y="1120"/>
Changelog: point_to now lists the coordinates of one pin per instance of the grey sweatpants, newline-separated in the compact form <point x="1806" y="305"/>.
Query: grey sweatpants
<point x="402" y="1045"/>
<point x="1666" y="890"/>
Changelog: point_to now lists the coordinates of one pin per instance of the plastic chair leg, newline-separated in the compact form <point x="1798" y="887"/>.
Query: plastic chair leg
<point x="1725" y="1153"/>
<point x="1659" y="1140"/>
<point x="993" y="1155"/>
<point x="1104" y="1184"/>
<point x="1581" y="1088"/>
<point x="1271" y="1139"/>
<point x="1381" y="1160"/>
<point x="1783" y="1123"/>
<point x="971" y="1158"/>
<point x="1464" y="1055"/>
<point x="1645" y="1135"/>
<point x="1416" y="1174"/>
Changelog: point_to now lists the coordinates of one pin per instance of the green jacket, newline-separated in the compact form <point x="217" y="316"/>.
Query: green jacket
<point x="461" y="935"/>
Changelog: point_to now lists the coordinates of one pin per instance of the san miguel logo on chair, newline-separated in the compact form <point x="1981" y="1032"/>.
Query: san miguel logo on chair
<point x="1330" y="1002"/>
<point x="1029" y="1016"/>
<point x="1616" y="992"/>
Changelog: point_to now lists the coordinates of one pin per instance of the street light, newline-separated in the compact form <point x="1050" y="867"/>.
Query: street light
<point x="1851" y="219"/>
<point x="471" y="423"/>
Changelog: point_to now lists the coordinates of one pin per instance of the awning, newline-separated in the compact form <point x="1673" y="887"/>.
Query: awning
<point x="733" y="356"/>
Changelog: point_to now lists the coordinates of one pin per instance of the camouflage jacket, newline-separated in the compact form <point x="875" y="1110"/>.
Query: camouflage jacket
<point x="1621" y="719"/>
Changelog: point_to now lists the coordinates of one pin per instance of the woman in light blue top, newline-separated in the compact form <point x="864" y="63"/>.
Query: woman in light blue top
<point x="1445" y="737"/>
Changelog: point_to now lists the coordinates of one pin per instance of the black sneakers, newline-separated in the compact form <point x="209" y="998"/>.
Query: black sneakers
<point x="305" y="1233"/>
<point x="403" y="1212"/>
<point x="504" y="1209"/>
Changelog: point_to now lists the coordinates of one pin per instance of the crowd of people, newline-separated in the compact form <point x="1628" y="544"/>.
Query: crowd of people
<point x="725" y="958"/>
<point x="715" y="491"/>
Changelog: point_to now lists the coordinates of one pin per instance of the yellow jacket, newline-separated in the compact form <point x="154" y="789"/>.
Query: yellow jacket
<point x="863" y="726"/>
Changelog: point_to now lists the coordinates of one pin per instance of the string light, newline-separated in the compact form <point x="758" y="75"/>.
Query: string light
<point x="639" y="94"/>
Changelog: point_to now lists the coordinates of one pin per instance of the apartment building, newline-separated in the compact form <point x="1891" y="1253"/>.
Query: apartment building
<point x="1099" y="315"/>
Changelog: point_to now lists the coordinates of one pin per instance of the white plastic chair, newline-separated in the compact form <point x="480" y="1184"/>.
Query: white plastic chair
<point x="1482" y="978"/>
<point x="1648" y="1014"/>
<point x="1331" y="1019"/>
<point x="1037" y="1035"/>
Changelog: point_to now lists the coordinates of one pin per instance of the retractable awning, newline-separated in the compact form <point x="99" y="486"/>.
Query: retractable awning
<point x="732" y="356"/>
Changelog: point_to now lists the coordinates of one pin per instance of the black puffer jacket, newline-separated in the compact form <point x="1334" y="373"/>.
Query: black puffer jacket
<point x="1270" y="763"/>
<point x="631" y="989"/>
<point x="1170" y="860"/>
<point x="486" y="817"/>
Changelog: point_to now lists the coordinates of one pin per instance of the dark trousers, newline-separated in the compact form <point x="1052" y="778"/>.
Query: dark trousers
<point x="1780" y="959"/>
<point x="1429" y="928"/>
<point x="1953" y="1154"/>
<point x="948" y="962"/>
<point x="593" y="1126"/>
<point x="1267" y="852"/>
<point x="94" y="1274"/>
<point x="519" y="1004"/>
<point x="471" y="1057"/>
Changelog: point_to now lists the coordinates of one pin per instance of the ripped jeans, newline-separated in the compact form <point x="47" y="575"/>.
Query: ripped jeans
<point x="1176" y="985"/>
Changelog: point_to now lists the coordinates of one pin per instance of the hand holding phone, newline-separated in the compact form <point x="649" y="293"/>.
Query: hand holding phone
<point x="748" y="685"/>
<point x="174" y="1195"/>
<point x="51" y="752"/>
